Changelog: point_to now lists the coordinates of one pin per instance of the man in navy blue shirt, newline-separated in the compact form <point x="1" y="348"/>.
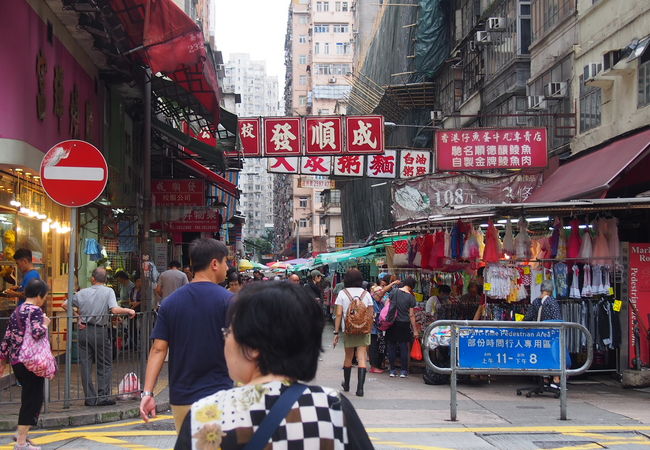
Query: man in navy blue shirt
<point x="189" y="325"/>
<point x="23" y="257"/>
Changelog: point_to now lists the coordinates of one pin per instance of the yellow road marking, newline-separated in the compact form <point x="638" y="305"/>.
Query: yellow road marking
<point x="407" y="445"/>
<point x="606" y="437"/>
<point x="95" y="427"/>
<point x="609" y="443"/>
<point x="512" y="429"/>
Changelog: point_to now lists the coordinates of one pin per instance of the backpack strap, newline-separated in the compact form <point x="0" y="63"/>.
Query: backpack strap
<point x="273" y="419"/>
<point x="348" y="294"/>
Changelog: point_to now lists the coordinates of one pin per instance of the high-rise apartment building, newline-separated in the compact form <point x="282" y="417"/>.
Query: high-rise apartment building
<point x="259" y="97"/>
<point x="319" y="52"/>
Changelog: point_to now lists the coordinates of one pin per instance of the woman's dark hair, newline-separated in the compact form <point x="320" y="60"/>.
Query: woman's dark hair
<point x="234" y="276"/>
<point x="444" y="289"/>
<point x="121" y="275"/>
<point x="36" y="288"/>
<point x="283" y="324"/>
<point x="353" y="278"/>
<point x="410" y="282"/>
<point x="203" y="251"/>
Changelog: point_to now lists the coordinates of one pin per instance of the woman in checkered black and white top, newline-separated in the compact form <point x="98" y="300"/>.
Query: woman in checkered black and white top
<point x="274" y="340"/>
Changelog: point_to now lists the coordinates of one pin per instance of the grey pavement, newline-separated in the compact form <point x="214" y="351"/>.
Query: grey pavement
<point x="406" y="413"/>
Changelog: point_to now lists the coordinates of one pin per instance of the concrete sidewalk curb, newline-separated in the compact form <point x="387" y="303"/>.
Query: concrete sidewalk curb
<point x="88" y="415"/>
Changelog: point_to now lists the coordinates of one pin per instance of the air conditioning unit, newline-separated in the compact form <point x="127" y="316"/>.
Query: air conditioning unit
<point x="591" y="70"/>
<point x="436" y="115"/>
<point x="536" y="102"/>
<point x="496" y="24"/>
<point x="521" y="119"/>
<point x="482" y="37"/>
<point x="332" y="80"/>
<point x="610" y="59"/>
<point x="555" y="90"/>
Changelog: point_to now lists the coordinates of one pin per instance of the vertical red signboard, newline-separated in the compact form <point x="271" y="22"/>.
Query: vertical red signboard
<point x="282" y="136"/>
<point x="324" y="135"/>
<point x="639" y="292"/>
<point x="365" y="134"/>
<point x="250" y="135"/>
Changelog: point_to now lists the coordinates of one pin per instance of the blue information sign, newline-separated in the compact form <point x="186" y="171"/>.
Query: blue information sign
<point x="509" y="348"/>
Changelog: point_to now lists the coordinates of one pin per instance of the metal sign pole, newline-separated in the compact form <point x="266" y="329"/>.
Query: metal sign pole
<point x="563" y="376"/>
<point x="454" y="400"/>
<point x="71" y="286"/>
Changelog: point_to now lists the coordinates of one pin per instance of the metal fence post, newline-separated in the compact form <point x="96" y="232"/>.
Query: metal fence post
<point x="563" y="376"/>
<point x="453" y="405"/>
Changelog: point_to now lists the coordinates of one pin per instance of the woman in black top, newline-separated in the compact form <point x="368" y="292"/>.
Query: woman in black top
<point x="399" y="335"/>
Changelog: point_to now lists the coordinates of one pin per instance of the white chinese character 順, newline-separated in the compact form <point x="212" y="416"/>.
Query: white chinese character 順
<point x="323" y="134"/>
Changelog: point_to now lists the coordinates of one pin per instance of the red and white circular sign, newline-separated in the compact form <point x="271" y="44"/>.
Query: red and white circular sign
<point x="74" y="173"/>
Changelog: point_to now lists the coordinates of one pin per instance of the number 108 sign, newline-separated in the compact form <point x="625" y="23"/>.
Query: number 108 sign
<point x="509" y="348"/>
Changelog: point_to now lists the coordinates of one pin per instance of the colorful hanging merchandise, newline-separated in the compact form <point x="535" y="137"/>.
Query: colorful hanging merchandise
<point x="522" y="241"/>
<point x="400" y="259"/>
<point x="504" y="283"/>
<point x="586" y="249"/>
<point x="472" y="249"/>
<point x="586" y="283"/>
<point x="575" y="242"/>
<point x="492" y="252"/>
<point x="562" y="243"/>
<point x="554" y="240"/>
<point x="597" y="280"/>
<point x="427" y="247"/>
<point x="601" y="246"/>
<point x="612" y="238"/>
<point x="574" y="292"/>
<point x="509" y="239"/>
<point x="560" y="272"/>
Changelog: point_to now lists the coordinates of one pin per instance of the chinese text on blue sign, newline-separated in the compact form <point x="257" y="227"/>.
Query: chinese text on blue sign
<point x="509" y="348"/>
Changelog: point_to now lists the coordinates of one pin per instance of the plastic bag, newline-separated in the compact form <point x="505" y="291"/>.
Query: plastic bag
<point x="129" y="387"/>
<point x="416" y="351"/>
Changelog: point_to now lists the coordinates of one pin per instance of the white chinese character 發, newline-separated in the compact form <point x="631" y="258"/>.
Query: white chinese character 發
<point x="282" y="137"/>
<point x="363" y="135"/>
<point x="247" y="130"/>
<point x="323" y="134"/>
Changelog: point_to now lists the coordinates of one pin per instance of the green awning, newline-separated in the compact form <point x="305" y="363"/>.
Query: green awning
<point x="345" y="255"/>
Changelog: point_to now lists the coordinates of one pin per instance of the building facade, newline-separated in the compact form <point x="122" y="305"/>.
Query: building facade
<point x="259" y="97"/>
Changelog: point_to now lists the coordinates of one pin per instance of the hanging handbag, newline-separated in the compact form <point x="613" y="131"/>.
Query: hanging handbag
<point x="35" y="354"/>
<point x="273" y="419"/>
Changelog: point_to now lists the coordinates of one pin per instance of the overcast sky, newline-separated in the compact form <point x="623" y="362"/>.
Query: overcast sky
<point x="257" y="27"/>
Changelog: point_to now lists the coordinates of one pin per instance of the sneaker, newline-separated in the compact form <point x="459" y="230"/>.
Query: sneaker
<point x="404" y="374"/>
<point x="393" y="373"/>
<point x="26" y="446"/>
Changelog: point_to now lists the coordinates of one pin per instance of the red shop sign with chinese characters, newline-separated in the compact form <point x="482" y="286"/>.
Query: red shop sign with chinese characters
<point x="250" y="137"/>
<point x="365" y="134"/>
<point x="493" y="148"/>
<point x="200" y="220"/>
<point x="324" y="135"/>
<point x="189" y="192"/>
<point x="282" y="136"/>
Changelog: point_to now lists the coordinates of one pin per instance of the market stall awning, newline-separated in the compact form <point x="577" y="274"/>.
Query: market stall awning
<point x="171" y="43"/>
<point x="345" y="255"/>
<point x="213" y="155"/>
<point x="592" y="175"/>
<point x="211" y="176"/>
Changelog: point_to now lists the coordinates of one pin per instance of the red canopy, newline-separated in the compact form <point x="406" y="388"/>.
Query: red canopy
<point x="170" y="42"/>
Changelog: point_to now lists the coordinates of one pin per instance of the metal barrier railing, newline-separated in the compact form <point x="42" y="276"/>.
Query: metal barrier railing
<point x="104" y="349"/>
<point x="508" y="348"/>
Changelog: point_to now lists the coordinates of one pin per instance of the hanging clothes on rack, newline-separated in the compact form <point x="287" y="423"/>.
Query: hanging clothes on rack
<point x="509" y="239"/>
<point x="601" y="246"/>
<point x="586" y="284"/>
<point x="492" y="252"/>
<point x="522" y="241"/>
<point x="560" y="271"/>
<point x="586" y="247"/>
<point x="574" y="292"/>
<point x="575" y="242"/>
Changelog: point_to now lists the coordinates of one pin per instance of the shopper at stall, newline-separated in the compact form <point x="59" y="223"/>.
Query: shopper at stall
<point x="435" y="301"/>
<point x="354" y="343"/>
<point x="274" y="340"/>
<point x="32" y="395"/>
<point x="398" y="336"/>
<point x="189" y="327"/>
<point x="125" y="287"/>
<point x="544" y="307"/>
<point x="170" y="280"/>
<point x="94" y="304"/>
<point x="23" y="258"/>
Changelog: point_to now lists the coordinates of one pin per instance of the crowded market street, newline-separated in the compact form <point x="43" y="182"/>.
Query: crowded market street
<point x="407" y="414"/>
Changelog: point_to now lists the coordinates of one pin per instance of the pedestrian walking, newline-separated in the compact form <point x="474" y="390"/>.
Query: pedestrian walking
<point x="187" y="270"/>
<point x="234" y="282"/>
<point x="312" y="286"/>
<point x="274" y="340"/>
<point x="94" y="304"/>
<point x="398" y="336"/>
<point x="189" y="327"/>
<point x="352" y="305"/>
<point x="377" y="338"/>
<point x="32" y="395"/>
<point x="23" y="258"/>
<point x="170" y="280"/>
<point x="294" y="278"/>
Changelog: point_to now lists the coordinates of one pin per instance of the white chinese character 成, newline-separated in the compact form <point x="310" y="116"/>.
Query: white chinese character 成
<point x="282" y="137"/>
<point x="363" y="135"/>
<point x="323" y="134"/>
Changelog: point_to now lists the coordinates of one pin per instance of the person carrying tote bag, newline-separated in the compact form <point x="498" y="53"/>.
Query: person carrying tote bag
<point x="26" y="347"/>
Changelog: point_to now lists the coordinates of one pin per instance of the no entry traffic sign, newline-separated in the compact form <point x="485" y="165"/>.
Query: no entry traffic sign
<point x="74" y="173"/>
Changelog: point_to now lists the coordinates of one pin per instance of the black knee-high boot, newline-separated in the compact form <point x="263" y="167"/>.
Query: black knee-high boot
<point x="346" y="379"/>
<point x="361" y="379"/>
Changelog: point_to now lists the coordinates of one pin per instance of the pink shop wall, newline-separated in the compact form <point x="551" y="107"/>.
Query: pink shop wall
<point x="23" y="34"/>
